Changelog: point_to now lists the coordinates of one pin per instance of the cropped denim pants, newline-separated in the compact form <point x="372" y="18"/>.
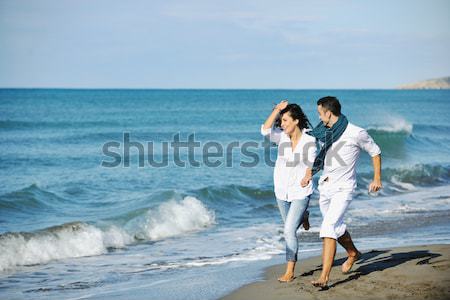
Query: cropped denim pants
<point x="292" y="214"/>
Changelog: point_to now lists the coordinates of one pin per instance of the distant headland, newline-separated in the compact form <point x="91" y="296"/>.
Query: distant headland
<point x="438" y="83"/>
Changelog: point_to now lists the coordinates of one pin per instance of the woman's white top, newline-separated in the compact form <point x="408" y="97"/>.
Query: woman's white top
<point x="290" y="166"/>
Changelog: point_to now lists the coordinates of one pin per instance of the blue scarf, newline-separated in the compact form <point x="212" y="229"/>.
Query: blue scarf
<point x="327" y="136"/>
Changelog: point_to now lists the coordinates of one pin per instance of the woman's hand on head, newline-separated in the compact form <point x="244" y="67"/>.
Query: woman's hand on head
<point x="282" y="105"/>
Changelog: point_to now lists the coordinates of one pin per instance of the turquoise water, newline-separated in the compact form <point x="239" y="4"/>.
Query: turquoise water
<point x="71" y="228"/>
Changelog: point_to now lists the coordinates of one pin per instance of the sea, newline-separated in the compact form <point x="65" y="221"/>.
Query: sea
<point x="168" y="194"/>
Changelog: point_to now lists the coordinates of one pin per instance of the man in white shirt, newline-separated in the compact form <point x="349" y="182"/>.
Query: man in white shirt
<point x="338" y="182"/>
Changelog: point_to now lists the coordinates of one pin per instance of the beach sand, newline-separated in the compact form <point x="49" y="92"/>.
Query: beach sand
<point x="418" y="272"/>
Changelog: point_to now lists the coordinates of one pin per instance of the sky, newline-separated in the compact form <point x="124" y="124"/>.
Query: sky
<point x="223" y="44"/>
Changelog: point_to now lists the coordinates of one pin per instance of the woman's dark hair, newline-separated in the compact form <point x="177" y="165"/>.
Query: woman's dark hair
<point x="330" y="103"/>
<point x="296" y="113"/>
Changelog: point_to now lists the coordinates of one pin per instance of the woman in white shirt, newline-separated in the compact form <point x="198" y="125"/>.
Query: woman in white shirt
<point x="296" y="153"/>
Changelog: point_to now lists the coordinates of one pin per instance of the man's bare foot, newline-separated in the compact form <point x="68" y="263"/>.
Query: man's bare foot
<point x="306" y="221"/>
<point x="348" y="264"/>
<point x="286" y="278"/>
<point x="321" y="282"/>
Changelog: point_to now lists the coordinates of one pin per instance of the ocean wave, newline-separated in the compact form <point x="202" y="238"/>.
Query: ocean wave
<point x="393" y="143"/>
<point x="79" y="239"/>
<point x="419" y="175"/>
<point x="224" y="198"/>
<point x="423" y="202"/>
<point x="393" y="137"/>
<point x="29" y="199"/>
<point x="434" y="130"/>
<point x="65" y="241"/>
<point x="392" y="125"/>
<point x="173" y="218"/>
<point x="400" y="138"/>
<point x="233" y="192"/>
<point x="400" y="179"/>
<point x="409" y="178"/>
<point x="34" y="198"/>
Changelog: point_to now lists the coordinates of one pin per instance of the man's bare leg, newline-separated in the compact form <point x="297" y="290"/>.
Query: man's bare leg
<point x="353" y="254"/>
<point x="289" y="275"/>
<point x="329" y="251"/>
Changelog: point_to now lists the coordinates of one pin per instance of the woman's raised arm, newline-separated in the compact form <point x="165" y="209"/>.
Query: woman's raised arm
<point x="273" y="116"/>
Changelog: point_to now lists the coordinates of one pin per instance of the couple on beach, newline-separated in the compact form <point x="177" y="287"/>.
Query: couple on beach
<point x="340" y="143"/>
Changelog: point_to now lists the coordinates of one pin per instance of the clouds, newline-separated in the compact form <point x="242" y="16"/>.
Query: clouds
<point x="273" y="21"/>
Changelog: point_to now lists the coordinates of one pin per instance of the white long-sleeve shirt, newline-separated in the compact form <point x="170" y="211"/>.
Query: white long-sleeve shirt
<point x="341" y="158"/>
<point x="290" y="166"/>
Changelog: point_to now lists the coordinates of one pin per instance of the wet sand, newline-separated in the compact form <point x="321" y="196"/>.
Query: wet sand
<point x="418" y="272"/>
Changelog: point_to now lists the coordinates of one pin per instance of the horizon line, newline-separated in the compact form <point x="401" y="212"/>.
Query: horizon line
<point x="186" y="88"/>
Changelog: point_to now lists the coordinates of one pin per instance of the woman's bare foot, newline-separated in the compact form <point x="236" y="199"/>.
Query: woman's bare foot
<point x="321" y="282"/>
<point x="348" y="264"/>
<point x="288" y="277"/>
<point x="306" y="221"/>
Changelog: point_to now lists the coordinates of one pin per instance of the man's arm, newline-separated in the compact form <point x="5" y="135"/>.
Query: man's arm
<point x="366" y="142"/>
<point x="375" y="185"/>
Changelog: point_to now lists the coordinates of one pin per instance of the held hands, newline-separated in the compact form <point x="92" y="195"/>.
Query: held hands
<point x="308" y="177"/>
<point x="305" y="181"/>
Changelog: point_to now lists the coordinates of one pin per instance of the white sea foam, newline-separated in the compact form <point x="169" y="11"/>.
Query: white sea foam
<point x="310" y="230"/>
<point x="394" y="124"/>
<point x="80" y="239"/>
<point x="69" y="240"/>
<point x="404" y="185"/>
<point x="419" y="200"/>
<point x="174" y="218"/>
<point x="253" y="243"/>
<point x="263" y="252"/>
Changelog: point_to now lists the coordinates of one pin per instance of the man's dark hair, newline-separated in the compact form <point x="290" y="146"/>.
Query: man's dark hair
<point x="330" y="103"/>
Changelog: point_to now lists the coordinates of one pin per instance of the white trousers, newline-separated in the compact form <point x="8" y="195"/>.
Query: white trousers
<point x="333" y="204"/>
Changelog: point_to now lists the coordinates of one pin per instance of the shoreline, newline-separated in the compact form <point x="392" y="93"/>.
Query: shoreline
<point x="412" y="272"/>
